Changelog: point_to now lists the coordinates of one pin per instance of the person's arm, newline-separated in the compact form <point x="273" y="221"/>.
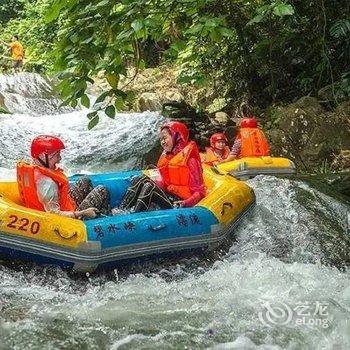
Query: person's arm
<point x="196" y="184"/>
<point x="235" y="151"/>
<point x="3" y="42"/>
<point x="47" y="191"/>
<point x="53" y="207"/>
<point x="160" y="183"/>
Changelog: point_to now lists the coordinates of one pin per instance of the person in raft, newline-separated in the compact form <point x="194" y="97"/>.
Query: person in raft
<point x="43" y="185"/>
<point x="179" y="175"/>
<point x="218" y="150"/>
<point x="17" y="53"/>
<point x="249" y="142"/>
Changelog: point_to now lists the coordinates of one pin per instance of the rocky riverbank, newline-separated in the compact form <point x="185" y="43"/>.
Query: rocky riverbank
<point x="315" y="135"/>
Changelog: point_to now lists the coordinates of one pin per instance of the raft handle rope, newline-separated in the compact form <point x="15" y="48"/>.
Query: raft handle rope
<point x="216" y="170"/>
<point x="156" y="228"/>
<point x="226" y="204"/>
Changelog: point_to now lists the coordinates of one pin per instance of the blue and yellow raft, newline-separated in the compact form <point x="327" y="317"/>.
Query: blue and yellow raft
<point x="102" y="243"/>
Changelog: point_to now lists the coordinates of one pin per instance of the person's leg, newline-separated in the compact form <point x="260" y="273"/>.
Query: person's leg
<point x="152" y="194"/>
<point x="163" y="199"/>
<point x="79" y="191"/>
<point x="98" y="198"/>
<point x="133" y="192"/>
<point x="20" y="66"/>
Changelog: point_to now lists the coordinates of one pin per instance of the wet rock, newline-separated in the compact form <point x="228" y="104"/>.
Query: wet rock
<point x="305" y="132"/>
<point x="341" y="183"/>
<point x="160" y="81"/>
<point x="172" y="95"/>
<point x="201" y="124"/>
<point x="343" y="110"/>
<point x="29" y="93"/>
<point x="332" y="184"/>
<point x="221" y="118"/>
<point x="149" y="101"/>
<point x="341" y="161"/>
<point x="153" y="101"/>
<point x="3" y="108"/>
<point x="217" y="105"/>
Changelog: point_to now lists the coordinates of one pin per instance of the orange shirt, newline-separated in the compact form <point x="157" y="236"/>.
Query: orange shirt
<point x="17" y="50"/>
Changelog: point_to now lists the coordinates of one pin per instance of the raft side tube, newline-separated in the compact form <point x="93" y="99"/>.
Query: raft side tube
<point x="244" y="168"/>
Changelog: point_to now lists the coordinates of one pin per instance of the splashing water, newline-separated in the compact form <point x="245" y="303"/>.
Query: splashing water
<point x="113" y="144"/>
<point x="119" y="143"/>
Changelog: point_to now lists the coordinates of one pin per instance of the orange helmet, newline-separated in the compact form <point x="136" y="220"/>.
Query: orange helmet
<point x="249" y="123"/>
<point x="219" y="136"/>
<point x="177" y="127"/>
<point x="46" y="144"/>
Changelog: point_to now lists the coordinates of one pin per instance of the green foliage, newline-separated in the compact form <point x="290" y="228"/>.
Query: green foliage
<point x="344" y="86"/>
<point x="36" y="36"/>
<point x="263" y="51"/>
<point x="341" y="28"/>
<point x="94" y="119"/>
<point x="110" y="112"/>
<point x="268" y="12"/>
<point x="10" y="9"/>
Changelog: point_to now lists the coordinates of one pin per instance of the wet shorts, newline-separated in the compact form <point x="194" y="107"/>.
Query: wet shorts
<point x="17" y="63"/>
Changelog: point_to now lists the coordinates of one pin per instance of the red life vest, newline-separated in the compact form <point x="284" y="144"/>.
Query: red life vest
<point x="175" y="171"/>
<point x="28" y="189"/>
<point x="254" y="143"/>
<point x="210" y="157"/>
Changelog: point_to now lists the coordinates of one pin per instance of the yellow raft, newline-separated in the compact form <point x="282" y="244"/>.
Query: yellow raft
<point x="104" y="242"/>
<point x="245" y="168"/>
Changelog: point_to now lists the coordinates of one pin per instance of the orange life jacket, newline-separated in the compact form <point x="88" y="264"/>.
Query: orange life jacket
<point x="28" y="189"/>
<point x="210" y="157"/>
<point x="175" y="171"/>
<point x="254" y="143"/>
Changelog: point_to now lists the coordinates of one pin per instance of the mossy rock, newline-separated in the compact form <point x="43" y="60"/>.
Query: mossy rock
<point x="306" y="133"/>
<point x="3" y="108"/>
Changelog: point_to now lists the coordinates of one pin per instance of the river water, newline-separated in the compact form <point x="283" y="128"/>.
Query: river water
<point x="283" y="283"/>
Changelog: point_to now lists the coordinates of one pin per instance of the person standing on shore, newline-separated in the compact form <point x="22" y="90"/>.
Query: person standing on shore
<point x="17" y="53"/>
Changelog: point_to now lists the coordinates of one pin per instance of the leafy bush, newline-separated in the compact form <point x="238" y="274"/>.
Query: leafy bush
<point x="262" y="51"/>
<point x="36" y="36"/>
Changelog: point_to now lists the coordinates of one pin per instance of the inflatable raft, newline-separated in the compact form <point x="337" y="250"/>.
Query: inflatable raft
<point x="245" y="168"/>
<point x="104" y="242"/>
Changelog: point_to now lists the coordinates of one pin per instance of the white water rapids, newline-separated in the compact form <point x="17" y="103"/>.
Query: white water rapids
<point x="283" y="283"/>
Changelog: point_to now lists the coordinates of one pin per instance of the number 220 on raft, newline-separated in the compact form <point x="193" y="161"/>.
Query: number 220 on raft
<point x="23" y="224"/>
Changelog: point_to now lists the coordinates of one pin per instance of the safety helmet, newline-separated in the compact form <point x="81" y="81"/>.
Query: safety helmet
<point x="177" y="127"/>
<point x="219" y="136"/>
<point x="46" y="144"/>
<point x="249" y="123"/>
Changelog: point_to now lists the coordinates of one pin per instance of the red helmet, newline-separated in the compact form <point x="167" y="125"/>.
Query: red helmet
<point x="249" y="123"/>
<point x="45" y="144"/>
<point x="219" y="136"/>
<point x="177" y="127"/>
